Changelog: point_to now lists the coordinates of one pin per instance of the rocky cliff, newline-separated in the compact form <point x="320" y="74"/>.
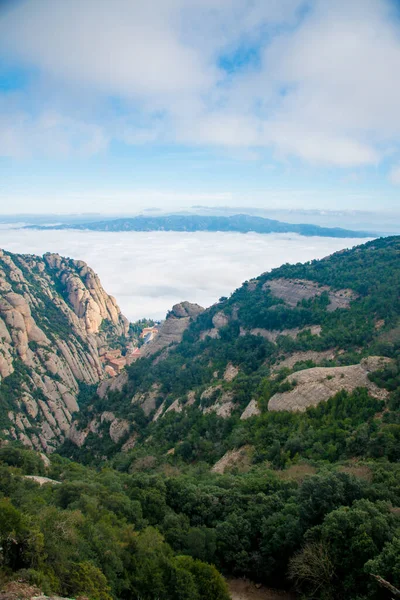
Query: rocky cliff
<point x="171" y="331"/>
<point x="56" y="321"/>
<point x="179" y="318"/>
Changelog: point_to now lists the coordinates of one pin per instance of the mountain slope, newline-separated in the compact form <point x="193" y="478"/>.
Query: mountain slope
<point x="235" y="223"/>
<point x="55" y="320"/>
<point x="208" y="474"/>
<point x="239" y="353"/>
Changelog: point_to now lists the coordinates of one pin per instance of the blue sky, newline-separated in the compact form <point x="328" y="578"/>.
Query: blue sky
<point x="118" y="105"/>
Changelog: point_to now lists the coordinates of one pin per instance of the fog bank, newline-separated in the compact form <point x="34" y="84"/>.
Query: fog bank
<point x="149" y="272"/>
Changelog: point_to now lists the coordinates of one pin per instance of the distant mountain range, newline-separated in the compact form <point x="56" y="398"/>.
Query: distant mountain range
<point x="236" y="223"/>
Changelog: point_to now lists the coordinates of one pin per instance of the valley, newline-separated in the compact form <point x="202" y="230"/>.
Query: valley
<point x="243" y="437"/>
<point x="199" y="300"/>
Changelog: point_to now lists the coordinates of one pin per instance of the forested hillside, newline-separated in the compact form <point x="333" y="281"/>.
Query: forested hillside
<point x="266" y="443"/>
<point x="240" y="353"/>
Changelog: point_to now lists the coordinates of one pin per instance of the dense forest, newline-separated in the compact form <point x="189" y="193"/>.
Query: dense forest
<point x="312" y="502"/>
<point x="140" y="531"/>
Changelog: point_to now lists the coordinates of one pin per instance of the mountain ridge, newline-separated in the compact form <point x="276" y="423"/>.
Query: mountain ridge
<point x="55" y="321"/>
<point x="241" y="223"/>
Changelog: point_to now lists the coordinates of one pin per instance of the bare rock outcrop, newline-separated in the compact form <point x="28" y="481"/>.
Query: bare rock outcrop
<point x="42" y="480"/>
<point x="147" y="401"/>
<point x="172" y="329"/>
<point x="130" y="443"/>
<point x="119" y="428"/>
<point x="78" y="436"/>
<point x="230" y="372"/>
<point x="220" y="320"/>
<point x="251" y="410"/>
<point x="222" y="401"/>
<point x="212" y="333"/>
<point x="318" y="384"/>
<point x="86" y="295"/>
<point x="52" y="310"/>
<point x="273" y="334"/>
<point x="176" y="406"/>
<point x="191" y="398"/>
<point x="116" y="430"/>
<point x="240" y="459"/>
<point x="112" y="385"/>
<point x="313" y="355"/>
<point x="293" y="291"/>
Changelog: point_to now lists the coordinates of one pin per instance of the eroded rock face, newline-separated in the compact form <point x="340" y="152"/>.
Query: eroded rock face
<point x="130" y="443"/>
<point x="112" y="385"/>
<point x="51" y="314"/>
<point x="293" y="291"/>
<point x="251" y="410"/>
<point x="119" y="428"/>
<point x="90" y="302"/>
<point x="318" y="384"/>
<point x="212" y="333"/>
<point x="220" y="320"/>
<point x="171" y="331"/>
<point x="222" y="401"/>
<point x="147" y="401"/>
<point x="273" y="334"/>
<point x="314" y="355"/>
<point x="186" y="309"/>
<point x="230" y="372"/>
<point x="240" y="459"/>
<point x="176" y="406"/>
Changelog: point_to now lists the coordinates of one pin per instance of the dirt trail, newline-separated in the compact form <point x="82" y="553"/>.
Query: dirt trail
<point x="242" y="589"/>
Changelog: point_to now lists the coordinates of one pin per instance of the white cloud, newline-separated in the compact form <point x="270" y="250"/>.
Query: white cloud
<point x="122" y="47"/>
<point x="321" y="148"/>
<point x="149" y="272"/>
<point x="323" y="88"/>
<point x="49" y="134"/>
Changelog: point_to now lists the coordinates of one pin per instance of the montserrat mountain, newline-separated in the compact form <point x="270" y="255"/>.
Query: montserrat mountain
<point x="56" y="321"/>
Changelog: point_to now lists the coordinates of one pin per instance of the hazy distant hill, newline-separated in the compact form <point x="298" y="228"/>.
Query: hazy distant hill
<point x="236" y="223"/>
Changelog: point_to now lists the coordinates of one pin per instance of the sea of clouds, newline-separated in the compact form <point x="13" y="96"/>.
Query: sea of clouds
<point x="149" y="272"/>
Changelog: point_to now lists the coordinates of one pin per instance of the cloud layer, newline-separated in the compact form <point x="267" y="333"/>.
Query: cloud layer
<point x="311" y="81"/>
<point x="149" y="272"/>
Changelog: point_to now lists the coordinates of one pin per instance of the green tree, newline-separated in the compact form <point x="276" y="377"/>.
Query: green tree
<point x="210" y="584"/>
<point x="351" y="536"/>
<point x="387" y="563"/>
<point x="87" y="580"/>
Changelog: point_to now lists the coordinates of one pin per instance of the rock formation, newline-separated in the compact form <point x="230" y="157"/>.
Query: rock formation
<point x="55" y="322"/>
<point x="251" y="410"/>
<point x="293" y="291"/>
<point x="312" y="386"/>
<point x="171" y="331"/>
<point x="239" y="459"/>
